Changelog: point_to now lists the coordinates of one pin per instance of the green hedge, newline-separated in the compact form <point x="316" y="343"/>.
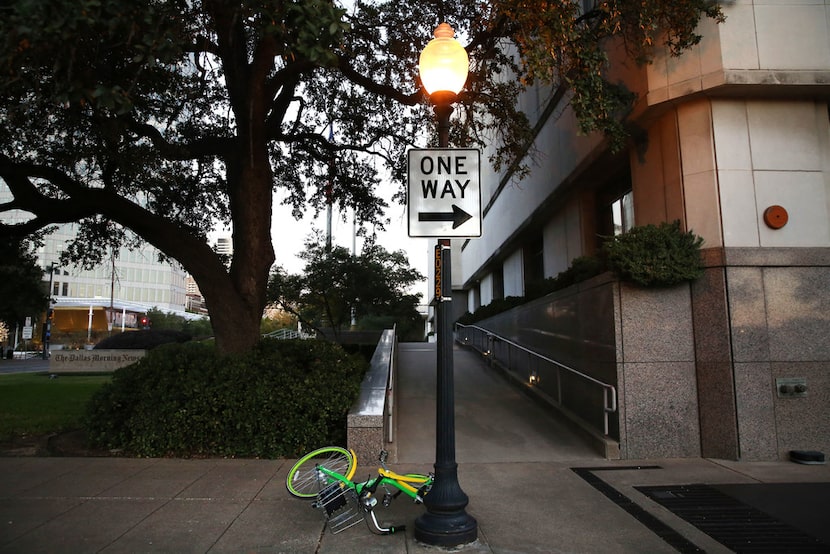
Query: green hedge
<point x="650" y="256"/>
<point x="143" y="339"/>
<point x="282" y="399"/>
<point x="655" y="255"/>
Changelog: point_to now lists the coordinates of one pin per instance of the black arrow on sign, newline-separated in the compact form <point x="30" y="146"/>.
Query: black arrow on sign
<point x="457" y="216"/>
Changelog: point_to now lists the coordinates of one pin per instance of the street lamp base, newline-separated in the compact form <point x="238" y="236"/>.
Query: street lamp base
<point x="446" y="529"/>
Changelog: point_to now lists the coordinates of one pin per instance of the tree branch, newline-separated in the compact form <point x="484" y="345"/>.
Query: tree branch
<point x="281" y="101"/>
<point x="207" y="146"/>
<point x="387" y="91"/>
<point x="82" y="202"/>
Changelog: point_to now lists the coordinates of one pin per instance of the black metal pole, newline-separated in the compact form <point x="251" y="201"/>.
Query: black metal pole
<point x="47" y="324"/>
<point x="445" y="522"/>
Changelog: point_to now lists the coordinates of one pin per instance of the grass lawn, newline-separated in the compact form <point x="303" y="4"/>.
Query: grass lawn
<point x="34" y="404"/>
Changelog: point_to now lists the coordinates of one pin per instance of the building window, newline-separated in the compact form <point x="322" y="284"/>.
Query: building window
<point x="498" y="283"/>
<point x="65" y="289"/>
<point x="622" y="213"/>
<point x="615" y="207"/>
<point x="534" y="262"/>
<point x="56" y="287"/>
<point x="476" y="304"/>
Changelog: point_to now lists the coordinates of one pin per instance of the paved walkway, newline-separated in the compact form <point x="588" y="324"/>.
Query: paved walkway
<point x="519" y="466"/>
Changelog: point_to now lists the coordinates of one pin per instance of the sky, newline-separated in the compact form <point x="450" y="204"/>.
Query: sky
<point x="288" y="236"/>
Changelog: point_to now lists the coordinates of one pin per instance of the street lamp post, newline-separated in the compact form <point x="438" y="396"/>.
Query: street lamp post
<point x="443" y="67"/>
<point x="47" y="325"/>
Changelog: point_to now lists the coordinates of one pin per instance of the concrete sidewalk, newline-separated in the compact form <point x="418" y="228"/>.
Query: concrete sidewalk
<point x="532" y="486"/>
<point x="161" y="505"/>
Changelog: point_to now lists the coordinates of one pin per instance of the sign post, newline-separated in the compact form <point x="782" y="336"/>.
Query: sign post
<point x="444" y="202"/>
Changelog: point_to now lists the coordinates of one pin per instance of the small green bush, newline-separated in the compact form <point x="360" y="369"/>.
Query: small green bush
<point x="655" y="255"/>
<point x="650" y="256"/>
<point x="495" y="307"/>
<point x="143" y="340"/>
<point x="581" y="269"/>
<point x="281" y="399"/>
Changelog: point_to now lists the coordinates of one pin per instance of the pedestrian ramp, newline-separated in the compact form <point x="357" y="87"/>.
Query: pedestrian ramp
<point x="495" y="421"/>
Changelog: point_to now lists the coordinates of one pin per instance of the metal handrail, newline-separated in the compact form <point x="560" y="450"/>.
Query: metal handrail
<point x="288" y="334"/>
<point x="609" y="396"/>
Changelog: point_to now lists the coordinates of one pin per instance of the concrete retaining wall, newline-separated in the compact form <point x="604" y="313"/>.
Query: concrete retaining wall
<point x="370" y="419"/>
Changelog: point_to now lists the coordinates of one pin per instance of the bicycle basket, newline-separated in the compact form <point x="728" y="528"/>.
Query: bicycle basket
<point x="339" y="505"/>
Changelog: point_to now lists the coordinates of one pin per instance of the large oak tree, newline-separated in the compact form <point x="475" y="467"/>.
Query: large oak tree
<point x="168" y="117"/>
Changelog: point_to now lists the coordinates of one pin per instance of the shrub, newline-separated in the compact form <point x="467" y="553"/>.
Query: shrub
<point x="198" y="328"/>
<point x="581" y="269"/>
<point x="651" y="256"/>
<point x="655" y="256"/>
<point x="281" y="399"/>
<point x="143" y="340"/>
<point x="493" y="308"/>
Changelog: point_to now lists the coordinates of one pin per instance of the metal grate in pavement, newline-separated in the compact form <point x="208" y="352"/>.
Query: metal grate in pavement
<point x="672" y="537"/>
<point x="739" y="527"/>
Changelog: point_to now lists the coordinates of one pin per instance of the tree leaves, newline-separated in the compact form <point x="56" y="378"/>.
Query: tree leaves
<point x="21" y="287"/>
<point x="335" y="285"/>
<point x="563" y="45"/>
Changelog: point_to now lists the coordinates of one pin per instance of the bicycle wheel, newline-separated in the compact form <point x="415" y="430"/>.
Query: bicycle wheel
<point x="304" y="481"/>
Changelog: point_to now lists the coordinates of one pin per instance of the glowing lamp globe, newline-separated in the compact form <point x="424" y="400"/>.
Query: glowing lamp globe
<point x="443" y="64"/>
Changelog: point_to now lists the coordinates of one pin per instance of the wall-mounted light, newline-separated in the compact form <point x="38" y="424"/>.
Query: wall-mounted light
<point x="534" y="379"/>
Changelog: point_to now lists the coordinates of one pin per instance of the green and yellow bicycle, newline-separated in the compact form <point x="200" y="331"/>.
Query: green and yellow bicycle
<point x="325" y="475"/>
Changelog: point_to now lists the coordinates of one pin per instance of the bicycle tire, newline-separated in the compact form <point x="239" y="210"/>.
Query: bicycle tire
<point x="302" y="479"/>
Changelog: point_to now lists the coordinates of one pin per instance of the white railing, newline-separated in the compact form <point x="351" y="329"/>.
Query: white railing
<point x="287" y="334"/>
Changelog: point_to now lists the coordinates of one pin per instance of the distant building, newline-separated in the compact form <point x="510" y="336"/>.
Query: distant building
<point x="116" y="292"/>
<point x="195" y="301"/>
<point x="224" y="246"/>
<point x="134" y="276"/>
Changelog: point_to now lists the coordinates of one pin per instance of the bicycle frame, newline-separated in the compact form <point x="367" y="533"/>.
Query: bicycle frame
<point x="333" y="499"/>
<point x="404" y="483"/>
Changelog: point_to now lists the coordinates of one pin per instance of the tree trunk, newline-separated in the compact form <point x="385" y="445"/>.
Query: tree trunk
<point x="235" y="322"/>
<point x="236" y="314"/>
<point x="235" y="296"/>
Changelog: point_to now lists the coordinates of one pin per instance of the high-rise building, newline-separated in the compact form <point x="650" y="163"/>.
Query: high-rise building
<point x="126" y="284"/>
<point x="224" y="246"/>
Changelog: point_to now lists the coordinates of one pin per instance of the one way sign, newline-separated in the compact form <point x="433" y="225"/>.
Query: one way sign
<point x="443" y="193"/>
